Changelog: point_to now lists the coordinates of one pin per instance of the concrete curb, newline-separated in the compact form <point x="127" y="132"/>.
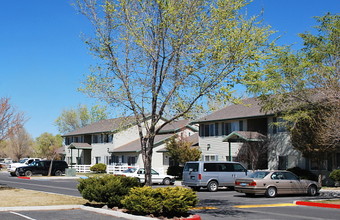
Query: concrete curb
<point x="87" y="208"/>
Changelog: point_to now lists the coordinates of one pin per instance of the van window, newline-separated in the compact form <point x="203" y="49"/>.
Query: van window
<point x="218" y="167"/>
<point x="191" y="167"/>
<point x="238" y="168"/>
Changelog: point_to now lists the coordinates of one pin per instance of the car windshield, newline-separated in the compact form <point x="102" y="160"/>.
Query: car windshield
<point x="130" y="170"/>
<point x="259" y="174"/>
<point x="22" y="161"/>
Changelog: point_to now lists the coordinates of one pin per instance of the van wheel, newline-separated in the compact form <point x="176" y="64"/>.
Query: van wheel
<point x="28" y="173"/>
<point x="12" y="173"/>
<point x="271" y="192"/>
<point x="212" y="186"/>
<point x="58" y="173"/>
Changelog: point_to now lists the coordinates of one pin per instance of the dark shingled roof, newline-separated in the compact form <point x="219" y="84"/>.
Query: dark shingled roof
<point x="249" y="108"/>
<point x="135" y="146"/>
<point x="108" y="125"/>
<point x="176" y="126"/>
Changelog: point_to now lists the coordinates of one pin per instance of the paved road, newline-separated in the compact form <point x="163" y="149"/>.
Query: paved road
<point x="223" y="204"/>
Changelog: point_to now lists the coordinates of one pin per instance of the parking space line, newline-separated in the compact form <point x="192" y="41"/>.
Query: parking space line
<point x="21" y="215"/>
<point x="264" y="205"/>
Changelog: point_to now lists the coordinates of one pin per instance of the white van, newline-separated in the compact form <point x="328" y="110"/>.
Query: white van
<point x="212" y="174"/>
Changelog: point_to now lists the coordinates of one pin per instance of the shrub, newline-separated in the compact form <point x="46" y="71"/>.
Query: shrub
<point x="166" y="201"/>
<point x="335" y="175"/>
<point x="98" y="168"/>
<point x="106" y="189"/>
<point x="175" y="171"/>
<point x="142" y="201"/>
<point x="303" y="174"/>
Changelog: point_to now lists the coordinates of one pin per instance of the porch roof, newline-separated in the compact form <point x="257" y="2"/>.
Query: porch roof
<point x="83" y="146"/>
<point x="135" y="146"/>
<point x="245" y="136"/>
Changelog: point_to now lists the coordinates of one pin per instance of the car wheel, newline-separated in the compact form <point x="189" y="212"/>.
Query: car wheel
<point x="12" y="173"/>
<point x="166" y="181"/>
<point x="271" y="192"/>
<point x="312" y="191"/>
<point x="58" y="173"/>
<point x="16" y="173"/>
<point x="28" y="173"/>
<point x="212" y="186"/>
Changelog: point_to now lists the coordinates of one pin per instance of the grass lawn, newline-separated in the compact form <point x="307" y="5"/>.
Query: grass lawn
<point x="21" y="197"/>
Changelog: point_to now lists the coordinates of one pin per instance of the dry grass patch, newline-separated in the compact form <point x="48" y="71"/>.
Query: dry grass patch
<point x="330" y="201"/>
<point x="21" y="197"/>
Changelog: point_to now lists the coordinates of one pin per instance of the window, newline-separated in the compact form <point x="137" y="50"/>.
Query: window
<point x="94" y="138"/>
<point x="131" y="161"/>
<point x="206" y="130"/>
<point x="210" y="157"/>
<point x="240" y="125"/>
<point x="283" y="162"/>
<point x="290" y="176"/>
<point x="98" y="160"/>
<point x="318" y="165"/>
<point x="278" y="128"/>
<point x="238" y="168"/>
<point x="191" y="167"/>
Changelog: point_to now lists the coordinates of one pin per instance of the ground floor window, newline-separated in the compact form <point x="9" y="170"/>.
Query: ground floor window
<point x="318" y="164"/>
<point x="131" y="160"/>
<point x="108" y="160"/>
<point x="210" y="157"/>
<point x="283" y="162"/>
<point x="98" y="160"/>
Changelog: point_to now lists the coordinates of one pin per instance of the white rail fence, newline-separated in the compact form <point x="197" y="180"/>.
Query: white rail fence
<point x="112" y="169"/>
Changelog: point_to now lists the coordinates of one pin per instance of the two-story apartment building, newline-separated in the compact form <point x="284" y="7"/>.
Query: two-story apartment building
<point x="116" y="141"/>
<point x="222" y="133"/>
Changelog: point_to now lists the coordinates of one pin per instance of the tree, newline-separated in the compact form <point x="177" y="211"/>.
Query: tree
<point x="304" y="88"/>
<point x="47" y="145"/>
<point x="165" y="57"/>
<point x="19" y="144"/>
<point x="255" y="154"/>
<point x="10" y="118"/>
<point x="181" y="151"/>
<point x="72" y="119"/>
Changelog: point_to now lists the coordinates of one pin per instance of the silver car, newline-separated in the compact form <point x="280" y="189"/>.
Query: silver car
<point x="272" y="183"/>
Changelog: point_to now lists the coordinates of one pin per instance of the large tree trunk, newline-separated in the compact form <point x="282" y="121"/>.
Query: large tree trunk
<point x="147" y="146"/>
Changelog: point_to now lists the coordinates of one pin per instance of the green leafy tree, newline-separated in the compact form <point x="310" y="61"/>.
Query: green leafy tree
<point x="164" y="58"/>
<point x="182" y="151"/>
<point x="72" y="119"/>
<point x="47" y="145"/>
<point x="304" y="88"/>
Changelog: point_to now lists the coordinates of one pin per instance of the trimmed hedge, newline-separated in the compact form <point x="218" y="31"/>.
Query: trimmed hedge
<point x="106" y="189"/>
<point x="175" y="171"/>
<point x="98" y="168"/>
<point x="166" y="201"/>
<point x="335" y="175"/>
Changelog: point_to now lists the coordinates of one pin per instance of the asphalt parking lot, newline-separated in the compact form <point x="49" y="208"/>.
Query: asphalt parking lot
<point x="62" y="213"/>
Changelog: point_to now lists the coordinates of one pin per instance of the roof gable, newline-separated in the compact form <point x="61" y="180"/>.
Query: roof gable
<point x="248" y="108"/>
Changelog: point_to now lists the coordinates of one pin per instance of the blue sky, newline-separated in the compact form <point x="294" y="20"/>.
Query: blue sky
<point x="43" y="59"/>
